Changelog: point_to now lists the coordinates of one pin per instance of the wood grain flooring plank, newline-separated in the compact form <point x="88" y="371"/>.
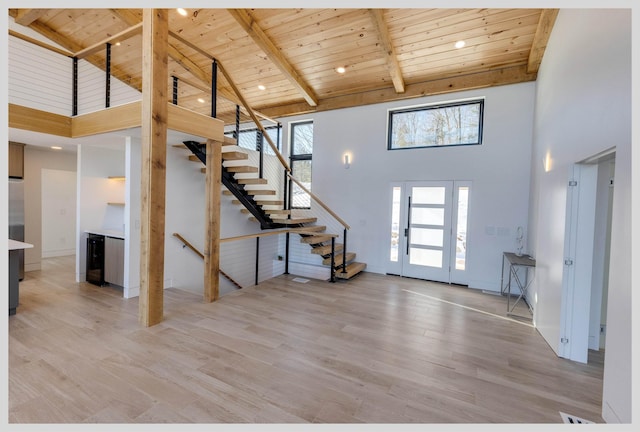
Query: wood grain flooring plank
<point x="376" y="349"/>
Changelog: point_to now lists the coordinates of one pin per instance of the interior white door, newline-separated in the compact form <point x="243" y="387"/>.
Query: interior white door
<point x="427" y="233"/>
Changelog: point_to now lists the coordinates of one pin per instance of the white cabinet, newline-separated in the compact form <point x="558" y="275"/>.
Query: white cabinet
<point x="114" y="261"/>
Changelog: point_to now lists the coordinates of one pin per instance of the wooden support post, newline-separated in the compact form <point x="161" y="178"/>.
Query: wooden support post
<point x="155" y="36"/>
<point x="213" y="185"/>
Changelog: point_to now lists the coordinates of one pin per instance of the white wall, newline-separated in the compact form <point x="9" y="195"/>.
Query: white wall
<point x="499" y="170"/>
<point x="95" y="190"/>
<point x="133" y="164"/>
<point x="37" y="159"/>
<point x="58" y="213"/>
<point x="583" y="107"/>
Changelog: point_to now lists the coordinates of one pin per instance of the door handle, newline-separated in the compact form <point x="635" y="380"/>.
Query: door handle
<point x="407" y="231"/>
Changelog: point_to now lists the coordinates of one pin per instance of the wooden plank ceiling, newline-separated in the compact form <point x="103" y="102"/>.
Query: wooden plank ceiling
<point x="388" y="54"/>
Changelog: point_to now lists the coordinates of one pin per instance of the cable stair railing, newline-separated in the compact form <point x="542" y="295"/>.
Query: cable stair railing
<point x="261" y="181"/>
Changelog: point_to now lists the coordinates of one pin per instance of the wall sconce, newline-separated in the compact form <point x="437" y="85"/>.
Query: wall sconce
<point x="347" y="161"/>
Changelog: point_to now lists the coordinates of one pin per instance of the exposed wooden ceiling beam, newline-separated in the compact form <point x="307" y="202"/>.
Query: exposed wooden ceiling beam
<point x="543" y="31"/>
<point x="27" y="16"/>
<point x="389" y="52"/>
<point x="99" y="46"/>
<point x="511" y="75"/>
<point x="248" y="23"/>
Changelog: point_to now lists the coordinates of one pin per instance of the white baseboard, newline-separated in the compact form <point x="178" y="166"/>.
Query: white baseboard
<point x="58" y="253"/>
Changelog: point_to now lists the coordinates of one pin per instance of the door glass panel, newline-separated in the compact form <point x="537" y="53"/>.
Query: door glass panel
<point x="427" y="216"/>
<point x="427" y="237"/>
<point x="425" y="257"/>
<point x="395" y="223"/>
<point x="428" y="195"/>
<point x="461" y="229"/>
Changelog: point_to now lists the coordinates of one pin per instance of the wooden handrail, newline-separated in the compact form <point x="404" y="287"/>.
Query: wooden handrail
<point x="323" y="205"/>
<point x="190" y="246"/>
<point x="40" y="44"/>
<point x="255" y="118"/>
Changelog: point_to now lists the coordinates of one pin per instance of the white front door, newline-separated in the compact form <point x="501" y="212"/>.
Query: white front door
<point x="424" y="243"/>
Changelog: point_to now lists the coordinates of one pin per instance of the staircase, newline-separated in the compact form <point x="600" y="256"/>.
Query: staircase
<point x="257" y="200"/>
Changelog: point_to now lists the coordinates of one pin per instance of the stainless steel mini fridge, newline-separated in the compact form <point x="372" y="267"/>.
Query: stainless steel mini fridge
<point x="16" y="217"/>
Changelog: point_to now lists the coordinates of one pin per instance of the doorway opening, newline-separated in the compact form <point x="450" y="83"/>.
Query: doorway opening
<point x="587" y="250"/>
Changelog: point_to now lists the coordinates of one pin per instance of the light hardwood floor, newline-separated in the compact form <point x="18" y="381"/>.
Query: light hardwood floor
<point x="376" y="349"/>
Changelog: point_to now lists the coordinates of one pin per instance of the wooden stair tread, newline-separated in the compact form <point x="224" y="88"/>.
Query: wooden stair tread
<point x="248" y="181"/>
<point x="312" y="228"/>
<point x="326" y="249"/>
<point x="269" y="203"/>
<point x="234" y="155"/>
<point x="254" y="192"/>
<point x="242" y="169"/>
<point x="352" y="269"/>
<point x="338" y="259"/>
<point x="269" y="212"/>
<point x="314" y="239"/>
<point x="299" y="221"/>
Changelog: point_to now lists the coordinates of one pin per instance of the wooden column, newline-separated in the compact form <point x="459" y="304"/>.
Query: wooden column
<point x="212" y="221"/>
<point x="155" y="36"/>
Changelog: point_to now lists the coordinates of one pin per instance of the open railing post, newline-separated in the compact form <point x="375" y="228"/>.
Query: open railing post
<point x="175" y="90"/>
<point x="237" y="131"/>
<point x="333" y="259"/>
<point x="107" y="68"/>
<point x="344" y="251"/>
<point x="257" y="257"/>
<point x="260" y="148"/>
<point x="286" y="254"/>
<point x="74" y="109"/>
<point x="214" y="88"/>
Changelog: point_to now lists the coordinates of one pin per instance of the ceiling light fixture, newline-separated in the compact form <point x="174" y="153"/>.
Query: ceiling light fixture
<point x="182" y="12"/>
<point x="341" y="69"/>
<point x="460" y="44"/>
<point x="200" y="100"/>
<point x="261" y="87"/>
<point x="117" y="43"/>
<point x="56" y="147"/>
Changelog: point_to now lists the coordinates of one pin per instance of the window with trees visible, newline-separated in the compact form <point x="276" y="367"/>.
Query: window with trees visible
<point x="301" y="155"/>
<point x="440" y="125"/>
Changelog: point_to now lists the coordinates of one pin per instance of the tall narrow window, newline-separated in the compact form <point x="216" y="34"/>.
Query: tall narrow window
<point x="395" y="222"/>
<point x="301" y="156"/>
<point x="461" y="229"/>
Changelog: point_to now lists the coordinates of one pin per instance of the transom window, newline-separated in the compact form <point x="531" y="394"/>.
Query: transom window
<point x="449" y="124"/>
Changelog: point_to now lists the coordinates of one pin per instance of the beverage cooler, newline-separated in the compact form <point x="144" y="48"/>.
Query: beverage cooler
<point x="95" y="259"/>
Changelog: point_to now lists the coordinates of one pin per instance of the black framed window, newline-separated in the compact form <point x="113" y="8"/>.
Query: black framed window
<point x="301" y="162"/>
<point x="449" y="124"/>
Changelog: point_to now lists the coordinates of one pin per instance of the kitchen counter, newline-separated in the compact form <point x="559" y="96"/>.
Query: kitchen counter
<point x="17" y="245"/>
<point x="107" y="233"/>
<point x="14" y="272"/>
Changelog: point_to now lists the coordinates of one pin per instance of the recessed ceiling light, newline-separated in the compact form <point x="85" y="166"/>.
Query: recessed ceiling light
<point x="200" y="100"/>
<point x="261" y="87"/>
<point x="182" y="12"/>
<point x="56" y="147"/>
<point x="341" y="69"/>
<point x="460" y="44"/>
<point x="117" y="43"/>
